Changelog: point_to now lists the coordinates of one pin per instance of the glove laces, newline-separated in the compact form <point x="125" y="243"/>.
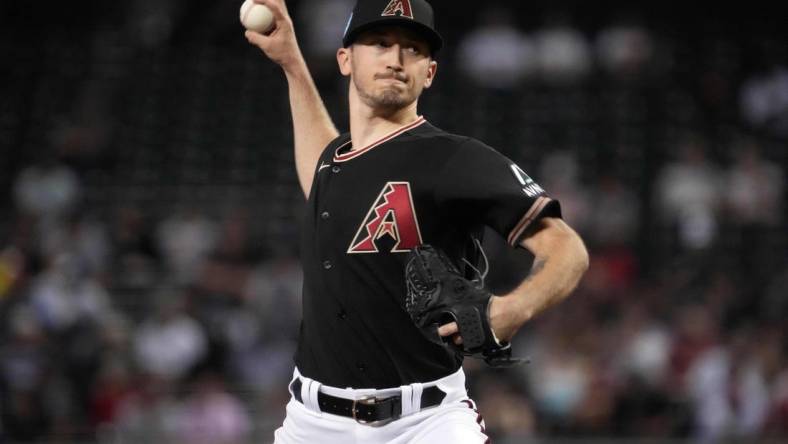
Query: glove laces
<point x="479" y="275"/>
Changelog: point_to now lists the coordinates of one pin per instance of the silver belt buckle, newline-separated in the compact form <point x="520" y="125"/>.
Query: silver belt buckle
<point x="364" y="400"/>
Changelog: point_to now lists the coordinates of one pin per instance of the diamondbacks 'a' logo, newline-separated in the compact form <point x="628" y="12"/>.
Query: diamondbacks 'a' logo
<point x="398" y="7"/>
<point x="392" y="214"/>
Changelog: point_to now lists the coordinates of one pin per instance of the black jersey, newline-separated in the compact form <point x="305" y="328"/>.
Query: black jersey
<point x="367" y="208"/>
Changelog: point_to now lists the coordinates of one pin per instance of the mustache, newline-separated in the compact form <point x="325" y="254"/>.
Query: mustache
<point x="392" y="75"/>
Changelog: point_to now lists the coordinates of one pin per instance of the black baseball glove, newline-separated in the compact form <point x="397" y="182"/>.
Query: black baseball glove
<point x="439" y="294"/>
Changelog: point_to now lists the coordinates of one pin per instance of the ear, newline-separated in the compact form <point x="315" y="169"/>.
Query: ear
<point x="343" y="60"/>
<point x="432" y="69"/>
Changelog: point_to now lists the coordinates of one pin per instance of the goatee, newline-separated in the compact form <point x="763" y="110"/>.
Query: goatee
<point x="389" y="98"/>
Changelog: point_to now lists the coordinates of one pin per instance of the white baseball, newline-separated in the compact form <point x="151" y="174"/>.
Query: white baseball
<point x="256" y="17"/>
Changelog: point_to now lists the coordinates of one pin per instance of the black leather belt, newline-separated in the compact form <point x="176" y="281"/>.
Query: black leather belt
<point x="369" y="409"/>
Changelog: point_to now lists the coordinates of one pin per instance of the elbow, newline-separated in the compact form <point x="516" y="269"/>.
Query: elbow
<point x="570" y="250"/>
<point x="578" y="259"/>
<point x="583" y="258"/>
<point x="577" y="262"/>
<point x="557" y="239"/>
<point x="574" y="250"/>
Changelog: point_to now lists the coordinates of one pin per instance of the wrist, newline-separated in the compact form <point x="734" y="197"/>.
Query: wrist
<point x="295" y="66"/>
<point x="505" y="317"/>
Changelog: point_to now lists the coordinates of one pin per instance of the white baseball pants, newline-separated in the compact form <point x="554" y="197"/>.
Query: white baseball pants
<point x="455" y="420"/>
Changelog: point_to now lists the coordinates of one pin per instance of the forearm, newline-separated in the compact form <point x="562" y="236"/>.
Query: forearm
<point x="312" y="126"/>
<point x="560" y="261"/>
<point x="553" y="277"/>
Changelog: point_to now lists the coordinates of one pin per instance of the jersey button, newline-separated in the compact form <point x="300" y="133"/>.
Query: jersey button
<point x="342" y="315"/>
<point x="361" y="366"/>
<point x="327" y="265"/>
<point x="336" y="169"/>
<point x="324" y="215"/>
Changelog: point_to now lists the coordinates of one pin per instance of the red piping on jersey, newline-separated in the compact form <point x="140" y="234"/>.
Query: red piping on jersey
<point x="355" y="153"/>
<point x="529" y="216"/>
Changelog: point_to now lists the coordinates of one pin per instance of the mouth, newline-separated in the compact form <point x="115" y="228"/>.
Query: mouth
<point x="392" y="78"/>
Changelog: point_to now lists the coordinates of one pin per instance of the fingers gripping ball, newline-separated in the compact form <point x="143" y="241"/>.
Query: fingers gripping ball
<point x="256" y="17"/>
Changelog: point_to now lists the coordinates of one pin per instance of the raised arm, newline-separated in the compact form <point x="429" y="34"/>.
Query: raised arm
<point x="312" y="126"/>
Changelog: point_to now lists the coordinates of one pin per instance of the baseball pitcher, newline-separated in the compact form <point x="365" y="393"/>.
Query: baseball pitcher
<point x="394" y="296"/>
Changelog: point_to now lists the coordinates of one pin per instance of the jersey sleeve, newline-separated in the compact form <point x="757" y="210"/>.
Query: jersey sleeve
<point x="479" y="185"/>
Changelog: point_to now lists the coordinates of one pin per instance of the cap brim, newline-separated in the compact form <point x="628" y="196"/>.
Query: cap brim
<point x="433" y="39"/>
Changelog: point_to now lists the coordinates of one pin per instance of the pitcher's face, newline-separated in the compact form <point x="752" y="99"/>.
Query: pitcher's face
<point x="389" y="67"/>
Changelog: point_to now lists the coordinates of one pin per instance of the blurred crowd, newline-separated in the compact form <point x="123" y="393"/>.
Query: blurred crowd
<point x="115" y="325"/>
<point x="125" y="323"/>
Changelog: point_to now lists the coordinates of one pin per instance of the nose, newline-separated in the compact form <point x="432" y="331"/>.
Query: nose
<point x="394" y="57"/>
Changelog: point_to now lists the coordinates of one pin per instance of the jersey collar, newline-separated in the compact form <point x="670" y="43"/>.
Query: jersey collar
<point x="355" y="153"/>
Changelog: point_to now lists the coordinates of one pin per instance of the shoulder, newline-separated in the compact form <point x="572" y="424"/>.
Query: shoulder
<point x="437" y="138"/>
<point x="464" y="150"/>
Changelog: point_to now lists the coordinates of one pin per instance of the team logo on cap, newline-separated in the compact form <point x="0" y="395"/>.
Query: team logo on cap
<point x="392" y="216"/>
<point x="398" y="7"/>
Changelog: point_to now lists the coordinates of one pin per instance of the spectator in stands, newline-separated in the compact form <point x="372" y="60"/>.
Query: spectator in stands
<point x="112" y="388"/>
<point x="764" y="101"/>
<point x="273" y="295"/>
<point x="170" y="342"/>
<point x="645" y="349"/>
<point x="689" y="195"/>
<point x="563" y="53"/>
<point x="614" y="213"/>
<point x="211" y="415"/>
<point x="754" y="187"/>
<point x="47" y="190"/>
<point x="149" y="413"/>
<point x="185" y="239"/>
<point x="729" y="391"/>
<point x="496" y="54"/>
<point x="558" y="378"/>
<point x="225" y="270"/>
<point x="624" y="49"/>
<point x="64" y="295"/>
<point x="84" y="238"/>
<point x="26" y="362"/>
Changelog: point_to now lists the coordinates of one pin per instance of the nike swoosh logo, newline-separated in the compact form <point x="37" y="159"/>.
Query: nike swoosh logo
<point x="323" y="165"/>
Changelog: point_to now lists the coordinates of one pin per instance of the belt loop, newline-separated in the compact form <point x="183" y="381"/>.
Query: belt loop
<point x="313" y="390"/>
<point x="306" y="383"/>
<point x="406" y="400"/>
<point x="418" y="388"/>
<point x="296" y="377"/>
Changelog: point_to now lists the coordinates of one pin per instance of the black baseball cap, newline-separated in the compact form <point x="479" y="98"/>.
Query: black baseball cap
<point x="414" y="14"/>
